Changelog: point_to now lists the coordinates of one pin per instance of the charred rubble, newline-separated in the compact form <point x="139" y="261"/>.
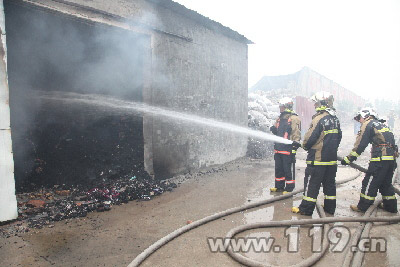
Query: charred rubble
<point x="72" y="159"/>
<point x="47" y="205"/>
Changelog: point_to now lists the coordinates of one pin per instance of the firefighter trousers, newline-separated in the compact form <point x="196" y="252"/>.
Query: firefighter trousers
<point x="314" y="177"/>
<point x="284" y="179"/>
<point x="379" y="178"/>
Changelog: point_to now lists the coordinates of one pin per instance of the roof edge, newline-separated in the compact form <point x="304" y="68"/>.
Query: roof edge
<point x="207" y="22"/>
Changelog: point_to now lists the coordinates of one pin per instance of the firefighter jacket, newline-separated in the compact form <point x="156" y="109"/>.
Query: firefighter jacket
<point x="323" y="138"/>
<point x="288" y="126"/>
<point x="379" y="135"/>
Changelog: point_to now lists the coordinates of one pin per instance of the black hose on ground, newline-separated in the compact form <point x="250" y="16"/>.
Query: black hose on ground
<point x="311" y="260"/>
<point x="357" y="235"/>
<point x="358" y="167"/>
<point x="359" y="256"/>
<point x="249" y="262"/>
<point x="161" y="242"/>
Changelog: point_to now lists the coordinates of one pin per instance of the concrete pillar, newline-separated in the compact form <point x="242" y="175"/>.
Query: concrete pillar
<point x="8" y="201"/>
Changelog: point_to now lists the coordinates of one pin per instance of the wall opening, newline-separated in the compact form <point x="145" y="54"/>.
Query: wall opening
<point x="62" y="142"/>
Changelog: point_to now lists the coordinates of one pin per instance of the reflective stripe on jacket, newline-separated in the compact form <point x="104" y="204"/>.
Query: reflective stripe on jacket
<point x="288" y="126"/>
<point x="379" y="135"/>
<point x="322" y="139"/>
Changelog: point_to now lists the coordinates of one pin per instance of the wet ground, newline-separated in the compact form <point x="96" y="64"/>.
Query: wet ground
<point x="114" y="238"/>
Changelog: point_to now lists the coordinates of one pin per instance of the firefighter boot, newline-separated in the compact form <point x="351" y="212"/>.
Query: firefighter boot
<point x="298" y="211"/>
<point x="355" y="208"/>
<point x="295" y="210"/>
<point x="274" y="189"/>
<point x="382" y="206"/>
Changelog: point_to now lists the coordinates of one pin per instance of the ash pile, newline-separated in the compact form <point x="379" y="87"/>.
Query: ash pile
<point x="47" y="205"/>
<point x="262" y="114"/>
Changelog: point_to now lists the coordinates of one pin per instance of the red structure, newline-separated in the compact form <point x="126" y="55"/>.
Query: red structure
<point x="306" y="82"/>
<point x="305" y="109"/>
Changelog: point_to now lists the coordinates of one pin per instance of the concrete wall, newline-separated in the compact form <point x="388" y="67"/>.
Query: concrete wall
<point x="206" y="77"/>
<point x="195" y="67"/>
<point x="8" y="201"/>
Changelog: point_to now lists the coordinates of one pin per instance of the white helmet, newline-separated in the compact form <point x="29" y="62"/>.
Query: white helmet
<point x="365" y="113"/>
<point x="286" y="102"/>
<point x="323" y="98"/>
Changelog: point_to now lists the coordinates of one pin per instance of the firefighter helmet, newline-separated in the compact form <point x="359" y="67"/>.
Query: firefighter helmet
<point x="365" y="113"/>
<point x="286" y="102"/>
<point x="323" y="99"/>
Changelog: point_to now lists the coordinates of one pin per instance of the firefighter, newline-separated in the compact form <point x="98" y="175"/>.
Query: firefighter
<point x="321" y="142"/>
<point x="288" y="126"/>
<point x="382" y="164"/>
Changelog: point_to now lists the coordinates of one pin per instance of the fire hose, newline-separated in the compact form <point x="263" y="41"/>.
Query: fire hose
<point x="363" y="231"/>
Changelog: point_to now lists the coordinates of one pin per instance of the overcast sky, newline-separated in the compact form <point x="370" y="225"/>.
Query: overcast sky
<point x="355" y="43"/>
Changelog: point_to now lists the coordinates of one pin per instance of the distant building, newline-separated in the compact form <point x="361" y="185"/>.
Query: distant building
<point x="302" y="85"/>
<point x="305" y="83"/>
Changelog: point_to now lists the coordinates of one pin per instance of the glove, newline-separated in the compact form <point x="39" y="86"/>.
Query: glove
<point x="348" y="160"/>
<point x="273" y="130"/>
<point x="344" y="162"/>
<point x="296" y="145"/>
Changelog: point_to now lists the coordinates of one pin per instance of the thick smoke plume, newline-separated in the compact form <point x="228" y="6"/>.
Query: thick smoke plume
<point x="52" y="52"/>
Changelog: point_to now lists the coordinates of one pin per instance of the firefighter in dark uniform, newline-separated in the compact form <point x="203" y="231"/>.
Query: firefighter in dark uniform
<point x="288" y="126"/>
<point x="382" y="164"/>
<point x="321" y="142"/>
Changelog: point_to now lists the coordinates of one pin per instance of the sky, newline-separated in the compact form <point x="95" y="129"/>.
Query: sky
<point x="355" y="43"/>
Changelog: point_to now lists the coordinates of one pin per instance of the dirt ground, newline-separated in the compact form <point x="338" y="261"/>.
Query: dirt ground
<point x="116" y="237"/>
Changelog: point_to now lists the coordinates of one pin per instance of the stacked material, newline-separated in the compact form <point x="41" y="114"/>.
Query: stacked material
<point x="262" y="115"/>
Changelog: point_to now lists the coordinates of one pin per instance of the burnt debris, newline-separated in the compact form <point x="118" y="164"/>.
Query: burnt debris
<point x="47" y="205"/>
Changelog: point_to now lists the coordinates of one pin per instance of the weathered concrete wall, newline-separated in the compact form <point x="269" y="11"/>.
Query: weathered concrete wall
<point x="203" y="73"/>
<point x="195" y="68"/>
<point x="8" y="201"/>
<point x="206" y="77"/>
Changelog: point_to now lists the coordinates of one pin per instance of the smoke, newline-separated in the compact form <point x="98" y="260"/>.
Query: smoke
<point x="52" y="52"/>
<point x="49" y="52"/>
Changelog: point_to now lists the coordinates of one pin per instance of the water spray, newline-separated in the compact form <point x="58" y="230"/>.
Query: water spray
<point x="137" y="107"/>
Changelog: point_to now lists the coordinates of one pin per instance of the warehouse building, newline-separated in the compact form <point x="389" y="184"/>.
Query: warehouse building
<point x="64" y="57"/>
